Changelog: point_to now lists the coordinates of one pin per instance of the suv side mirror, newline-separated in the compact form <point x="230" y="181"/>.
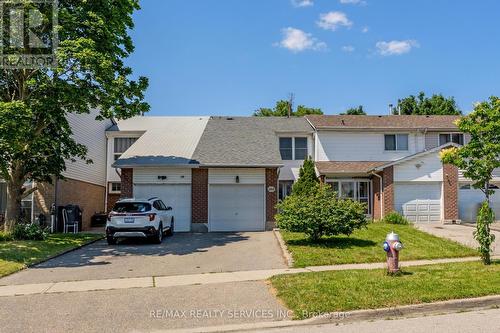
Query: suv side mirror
<point x="168" y="208"/>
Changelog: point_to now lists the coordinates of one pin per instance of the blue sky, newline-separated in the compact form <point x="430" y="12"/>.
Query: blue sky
<point x="230" y="57"/>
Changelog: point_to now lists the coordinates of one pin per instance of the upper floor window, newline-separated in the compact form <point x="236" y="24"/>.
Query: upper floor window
<point x="293" y="148"/>
<point x="121" y="145"/>
<point x="396" y="142"/>
<point x="457" y="138"/>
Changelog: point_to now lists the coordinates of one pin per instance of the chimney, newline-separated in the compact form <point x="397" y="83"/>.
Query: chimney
<point x="390" y="109"/>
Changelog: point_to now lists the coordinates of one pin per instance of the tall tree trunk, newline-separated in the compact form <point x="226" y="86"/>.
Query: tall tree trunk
<point x="15" y="192"/>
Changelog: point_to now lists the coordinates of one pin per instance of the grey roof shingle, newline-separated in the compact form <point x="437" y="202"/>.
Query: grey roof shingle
<point x="245" y="141"/>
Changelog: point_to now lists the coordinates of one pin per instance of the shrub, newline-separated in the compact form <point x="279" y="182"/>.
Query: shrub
<point x="482" y="233"/>
<point x="308" y="180"/>
<point x="395" y="218"/>
<point x="320" y="213"/>
<point x="5" y="236"/>
<point x="29" y="232"/>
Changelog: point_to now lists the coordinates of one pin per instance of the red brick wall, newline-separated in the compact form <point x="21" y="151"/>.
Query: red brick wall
<point x="377" y="198"/>
<point x="388" y="196"/>
<point x="127" y="176"/>
<point x="271" y="197"/>
<point x="199" y="196"/>
<point x="112" y="199"/>
<point x="450" y="188"/>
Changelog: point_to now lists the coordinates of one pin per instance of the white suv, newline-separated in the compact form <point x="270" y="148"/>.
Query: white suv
<point x="139" y="218"/>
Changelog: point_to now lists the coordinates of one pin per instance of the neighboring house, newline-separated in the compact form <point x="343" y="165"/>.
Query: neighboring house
<point x="218" y="173"/>
<point x="392" y="163"/>
<point x="84" y="184"/>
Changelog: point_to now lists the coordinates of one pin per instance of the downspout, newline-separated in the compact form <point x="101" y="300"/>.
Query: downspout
<point x="381" y="190"/>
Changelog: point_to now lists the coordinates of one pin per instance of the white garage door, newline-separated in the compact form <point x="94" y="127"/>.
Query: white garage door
<point x="236" y="207"/>
<point x="177" y="196"/>
<point x="470" y="200"/>
<point x="418" y="202"/>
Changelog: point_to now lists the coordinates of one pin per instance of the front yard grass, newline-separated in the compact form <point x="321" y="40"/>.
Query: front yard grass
<point x="365" y="246"/>
<point x="16" y="255"/>
<point x="309" y="294"/>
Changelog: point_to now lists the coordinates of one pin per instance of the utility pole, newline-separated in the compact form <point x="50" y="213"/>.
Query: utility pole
<point x="290" y="104"/>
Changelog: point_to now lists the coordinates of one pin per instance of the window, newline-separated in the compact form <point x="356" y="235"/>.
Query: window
<point x="457" y="138"/>
<point x="121" y="145"/>
<point x="358" y="190"/>
<point x="396" y="142"/>
<point x="285" y="189"/>
<point x="469" y="187"/>
<point x="293" y="149"/>
<point x="131" y="207"/>
<point x="300" y="149"/>
<point x="115" y="187"/>
<point x="286" y="149"/>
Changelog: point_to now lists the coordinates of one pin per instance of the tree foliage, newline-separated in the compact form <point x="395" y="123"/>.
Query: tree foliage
<point x="320" y="213"/>
<point x="478" y="159"/>
<point x="308" y="180"/>
<point x="357" y="111"/>
<point x="437" y="104"/>
<point x="35" y="136"/>
<point x="283" y="107"/>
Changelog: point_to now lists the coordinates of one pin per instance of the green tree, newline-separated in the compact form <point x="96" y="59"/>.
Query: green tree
<point x="320" y="213"/>
<point x="478" y="159"/>
<point x="283" y="107"/>
<point x="437" y="104"/>
<point x="359" y="111"/>
<point x="35" y="137"/>
<point x="308" y="179"/>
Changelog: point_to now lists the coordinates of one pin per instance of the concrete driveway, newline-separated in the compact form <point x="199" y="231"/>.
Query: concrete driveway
<point x="183" y="253"/>
<point x="459" y="233"/>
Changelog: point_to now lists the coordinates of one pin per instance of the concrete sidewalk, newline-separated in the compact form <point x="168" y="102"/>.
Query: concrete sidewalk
<point x="194" y="279"/>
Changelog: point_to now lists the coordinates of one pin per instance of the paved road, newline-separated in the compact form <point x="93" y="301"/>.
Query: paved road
<point x="178" y="255"/>
<point x="458" y="233"/>
<point x="141" y="309"/>
<point x="487" y="321"/>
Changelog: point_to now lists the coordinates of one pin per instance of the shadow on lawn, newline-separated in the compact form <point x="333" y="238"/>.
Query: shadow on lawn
<point x="333" y="242"/>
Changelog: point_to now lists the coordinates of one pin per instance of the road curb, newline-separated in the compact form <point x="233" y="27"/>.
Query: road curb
<point x="284" y="250"/>
<point x="400" y="312"/>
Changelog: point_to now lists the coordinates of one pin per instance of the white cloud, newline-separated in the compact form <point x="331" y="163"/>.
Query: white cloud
<point x="297" y="40"/>
<point x="333" y="20"/>
<point x="348" y="48"/>
<point x="396" y="47"/>
<point x="353" y="2"/>
<point x="302" y="3"/>
<point x="365" y="30"/>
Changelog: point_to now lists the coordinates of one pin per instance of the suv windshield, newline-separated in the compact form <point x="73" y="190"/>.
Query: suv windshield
<point x="131" y="207"/>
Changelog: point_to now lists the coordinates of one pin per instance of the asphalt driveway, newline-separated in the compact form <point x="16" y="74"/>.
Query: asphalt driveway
<point x="183" y="253"/>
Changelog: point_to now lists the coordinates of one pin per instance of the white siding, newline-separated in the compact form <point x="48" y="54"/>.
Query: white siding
<point x="112" y="175"/>
<point x="228" y="176"/>
<point x="362" y="146"/>
<point x="496" y="176"/>
<point x="150" y="176"/>
<point x="286" y="170"/>
<point x="91" y="133"/>
<point x="420" y="169"/>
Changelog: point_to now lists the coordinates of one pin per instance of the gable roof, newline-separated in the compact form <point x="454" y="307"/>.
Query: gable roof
<point x="383" y="122"/>
<point x="246" y="141"/>
<point x="166" y="141"/>
<point x="419" y="154"/>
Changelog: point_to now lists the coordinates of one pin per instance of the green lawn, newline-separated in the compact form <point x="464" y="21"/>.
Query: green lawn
<point x="308" y="294"/>
<point x="16" y="255"/>
<point x="365" y="246"/>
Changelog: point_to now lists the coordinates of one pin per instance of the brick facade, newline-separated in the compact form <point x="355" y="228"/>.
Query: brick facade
<point x="112" y="199"/>
<point x="127" y="186"/>
<point x="377" y="199"/>
<point x="199" y="196"/>
<point x="388" y="191"/>
<point x="271" y="197"/>
<point x="90" y="198"/>
<point x="450" y="193"/>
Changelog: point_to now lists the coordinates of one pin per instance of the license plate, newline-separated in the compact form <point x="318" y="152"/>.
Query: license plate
<point x="129" y="220"/>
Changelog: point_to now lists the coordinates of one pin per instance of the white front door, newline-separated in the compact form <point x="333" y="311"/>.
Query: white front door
<point x="177" y="196"/>
<point x="418" y="202"/>
<point x="236" y="207"/>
